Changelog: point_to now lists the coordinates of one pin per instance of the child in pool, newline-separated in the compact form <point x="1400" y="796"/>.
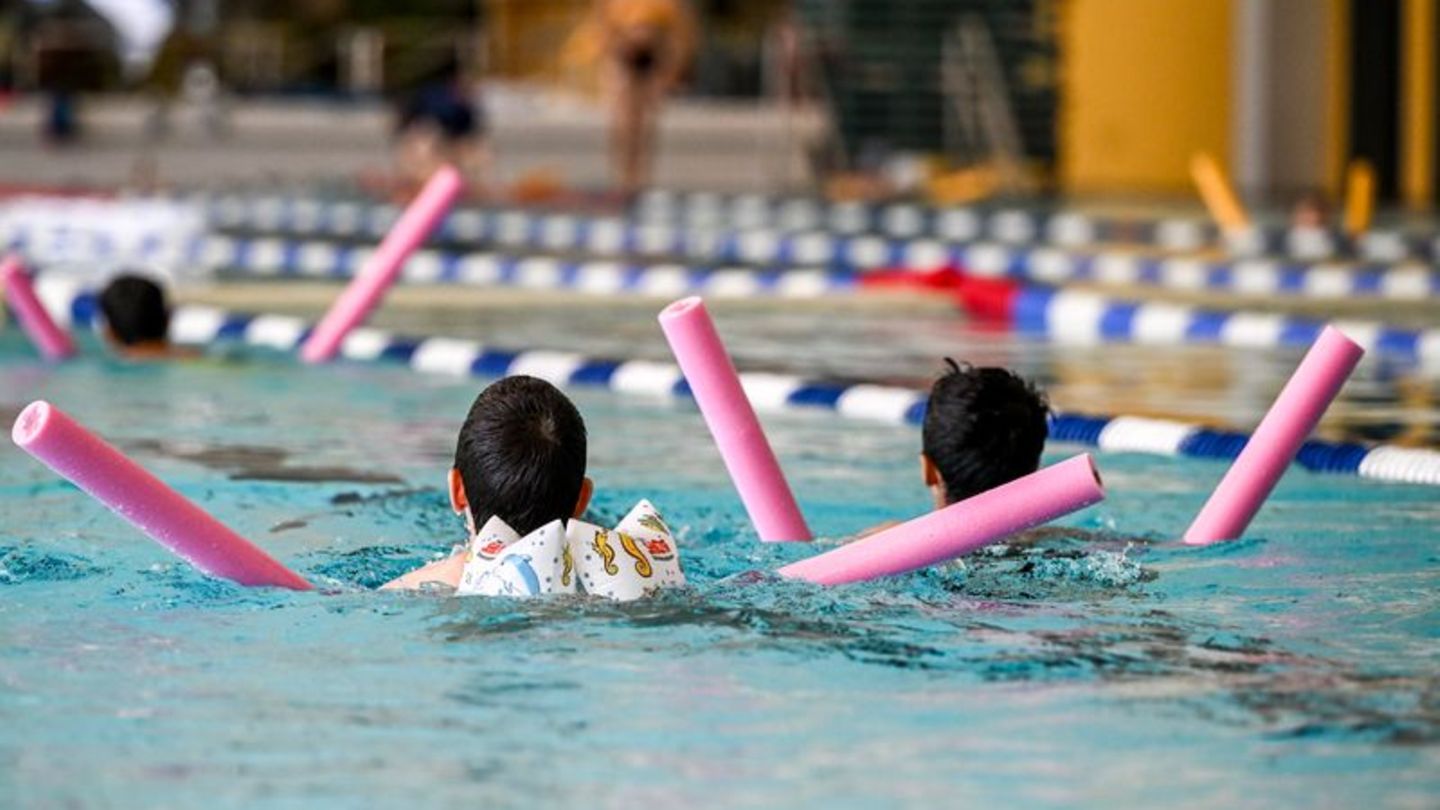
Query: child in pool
<point x="137" y="319"/>
<point x="983" y="427"/>
<point x="520" y="456"/>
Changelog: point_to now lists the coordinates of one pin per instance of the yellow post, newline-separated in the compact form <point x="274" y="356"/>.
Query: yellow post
<point x="1217" y="193"/>
<point x="1337" y="106"/>
<point x="1359" y="196"/>
<point x="1417" y="105"/>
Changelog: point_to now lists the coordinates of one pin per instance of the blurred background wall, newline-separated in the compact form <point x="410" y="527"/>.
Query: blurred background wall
<point x="1145" y="85"/>
<point x="1080" y="96"/>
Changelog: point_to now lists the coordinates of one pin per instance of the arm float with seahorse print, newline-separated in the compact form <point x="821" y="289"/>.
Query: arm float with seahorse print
<point x="574" y="557"/>
<point x="651" y="559"/>
<point x="653" y="535"/>
<point x="642" y="563"/>
<point x="602" y="546"/>
<point x="652" y="521"/>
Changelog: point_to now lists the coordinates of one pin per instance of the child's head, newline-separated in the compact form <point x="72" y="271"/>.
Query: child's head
<point x="983" y="427"/>
<point x="521" y="456"/>
<point x="135" y="311"/>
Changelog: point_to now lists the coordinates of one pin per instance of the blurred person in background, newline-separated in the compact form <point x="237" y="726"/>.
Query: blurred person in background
<point x="440" y="122"/>
<point x="136" y="313"/>
<point x="86" y="46"/>
<point x="9" y="50"/>
<point x="184" y="70"/>
<point x="1311" y="210"/>
<point x="68" y="58"/>
<point x="646" y="47"/>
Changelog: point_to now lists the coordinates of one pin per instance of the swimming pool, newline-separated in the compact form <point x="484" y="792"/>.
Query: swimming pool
<point x="1297" y="667"/>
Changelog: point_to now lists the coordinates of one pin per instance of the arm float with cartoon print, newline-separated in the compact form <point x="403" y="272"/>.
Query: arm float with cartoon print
<point x="601" y="543"/>
<point x="577" y="557"/>
<point x="642" y="562"/>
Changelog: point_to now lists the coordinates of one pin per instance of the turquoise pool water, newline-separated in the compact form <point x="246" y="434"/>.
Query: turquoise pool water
<point x="1098" y="663"/>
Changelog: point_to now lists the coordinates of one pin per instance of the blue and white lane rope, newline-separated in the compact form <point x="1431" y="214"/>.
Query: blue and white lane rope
<point x="1023" y="226"/>
<point x="905" y="221"/>
<point x="319" y="260"/>
<point x="1244" y="277"/>
<point x="772" y="245"/>
<point x="1062" y="316"/>
<point x="1079" y="317"/>
<point x="316" y="259"/>
<point x="483" y="269"/>
<point x="277" y="256"/>
<point x="195" y="325"/>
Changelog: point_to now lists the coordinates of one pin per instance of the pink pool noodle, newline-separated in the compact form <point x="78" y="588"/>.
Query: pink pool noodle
<point x="52" y="341"/>
<point x="370" y="284"/>
<point x="959" y="528"/>
<point x="727" y="411"/>
<point x="1278" y="438"/>
<point x="45" y="432"/>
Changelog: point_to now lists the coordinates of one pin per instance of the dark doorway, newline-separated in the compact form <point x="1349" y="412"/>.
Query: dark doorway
<point x="1435" y="127"/>
<point x="1375" y="90"/>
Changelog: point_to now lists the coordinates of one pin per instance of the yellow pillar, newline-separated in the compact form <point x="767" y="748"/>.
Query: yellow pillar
<point x="1337" y="106"/>
<point x="1146" y="84"/>
<point x="1417" y="104"/>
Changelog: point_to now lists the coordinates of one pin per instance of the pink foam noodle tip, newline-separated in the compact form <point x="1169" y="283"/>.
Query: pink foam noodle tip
<point x="370" y="285"/>
<point x="62" y="444"/>
<point x="731" y="419"/>
<point x="53" y="342"/>
<point x="959" y="528"/>
<point x="1273" y="445"/>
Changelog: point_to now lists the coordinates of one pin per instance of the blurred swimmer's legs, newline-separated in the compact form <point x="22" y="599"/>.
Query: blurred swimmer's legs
<point x="62" y="120"/>
<point x="636" y="98"/>
<point x="419" y="151"/>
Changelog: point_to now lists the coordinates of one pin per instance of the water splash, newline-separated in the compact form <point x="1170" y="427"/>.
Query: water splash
<point x="22" y="564"/>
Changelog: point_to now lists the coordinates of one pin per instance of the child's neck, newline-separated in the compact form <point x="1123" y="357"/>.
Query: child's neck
<point x="153" y="350"/>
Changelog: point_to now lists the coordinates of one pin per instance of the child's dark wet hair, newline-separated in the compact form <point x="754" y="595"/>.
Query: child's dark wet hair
<point x="983" y="427"/>
<point x="134" y="307"/>
<point x="521" y="454"/>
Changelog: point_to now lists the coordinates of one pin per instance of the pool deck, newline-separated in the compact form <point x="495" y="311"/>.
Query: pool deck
<point x="711" y="144"/>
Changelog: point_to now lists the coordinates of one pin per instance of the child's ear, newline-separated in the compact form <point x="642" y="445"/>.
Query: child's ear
<point x="587" y="489"/>
<point x="458" y="501"/>
<point x="929" y="473"/>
